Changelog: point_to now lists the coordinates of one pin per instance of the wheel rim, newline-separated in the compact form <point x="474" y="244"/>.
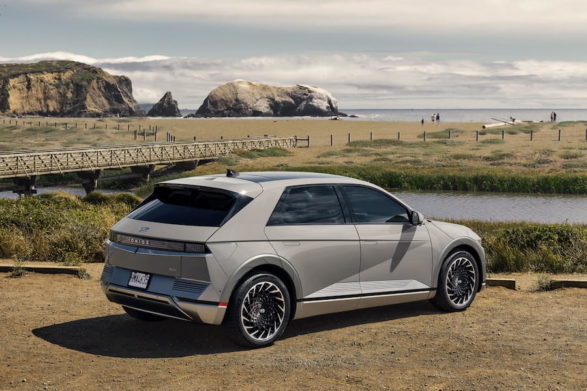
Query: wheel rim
<point x="263" y="311"/>
<point x="460" y="281"/>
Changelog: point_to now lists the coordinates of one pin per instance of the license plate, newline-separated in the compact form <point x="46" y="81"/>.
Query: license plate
<point x="139" y="280"/>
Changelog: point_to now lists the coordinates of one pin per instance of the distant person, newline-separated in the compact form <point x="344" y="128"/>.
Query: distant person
<point x="554" y="116"/>
<point x="551" y="116"/>
<point x="433" y="118"/>
<point x="437" y="118"/>
<point x="422" y="122"/>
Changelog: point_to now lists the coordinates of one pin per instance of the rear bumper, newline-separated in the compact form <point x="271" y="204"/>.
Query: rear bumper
<point x="166" y="296"/>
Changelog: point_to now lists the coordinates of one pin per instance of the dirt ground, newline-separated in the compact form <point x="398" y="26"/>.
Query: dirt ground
<point x="59" y="332"/>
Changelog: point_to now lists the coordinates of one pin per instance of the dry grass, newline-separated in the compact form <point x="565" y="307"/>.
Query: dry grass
<point x="544" y="155"/>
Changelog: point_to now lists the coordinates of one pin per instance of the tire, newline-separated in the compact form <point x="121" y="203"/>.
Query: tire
<point x="142" y="316"/>
<point x="259" y="311"/>
<point x="458" y="282"/>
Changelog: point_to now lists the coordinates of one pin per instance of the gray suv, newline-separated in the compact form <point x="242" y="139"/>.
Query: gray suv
<point x="255" y="250"/>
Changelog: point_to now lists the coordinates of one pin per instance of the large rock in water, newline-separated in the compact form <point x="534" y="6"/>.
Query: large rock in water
<point x="242" y="98"/>
<point x="64" y="88"/>
<point x="166" y="107"/>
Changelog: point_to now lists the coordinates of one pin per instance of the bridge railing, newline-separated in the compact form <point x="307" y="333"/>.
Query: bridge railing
<point x="20" y="164"/>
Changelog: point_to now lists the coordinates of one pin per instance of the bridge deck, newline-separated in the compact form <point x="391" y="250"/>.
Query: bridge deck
<point x="26" y="164"/>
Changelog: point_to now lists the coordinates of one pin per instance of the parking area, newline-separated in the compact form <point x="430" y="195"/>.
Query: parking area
<point x="59" y="332"/>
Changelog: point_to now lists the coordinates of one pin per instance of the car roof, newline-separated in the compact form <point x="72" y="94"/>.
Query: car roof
<point x="252" y="183"/>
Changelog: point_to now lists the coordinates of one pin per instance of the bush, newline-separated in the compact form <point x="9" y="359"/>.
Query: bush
<point x="60" y="227"/>
<point x="523" y="247"/>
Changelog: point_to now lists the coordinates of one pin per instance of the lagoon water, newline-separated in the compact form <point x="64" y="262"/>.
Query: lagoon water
<point x="499" y="206"/>
<point x="457" y="205"/>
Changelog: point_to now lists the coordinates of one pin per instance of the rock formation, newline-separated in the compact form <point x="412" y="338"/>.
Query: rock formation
<point x="64" y="88"/>
<point x="242" y="98"/>
<point x="166" y="107"/>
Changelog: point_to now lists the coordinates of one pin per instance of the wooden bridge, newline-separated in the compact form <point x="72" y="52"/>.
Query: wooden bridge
<point x="26" y="166"/>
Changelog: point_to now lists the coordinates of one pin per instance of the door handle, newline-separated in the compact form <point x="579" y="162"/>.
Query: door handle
<point x="291" y="243"/>
<point x="370" y="242"/>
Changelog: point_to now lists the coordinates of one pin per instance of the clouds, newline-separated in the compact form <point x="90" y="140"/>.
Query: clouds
<point x="359" y="80"/>
<point x="540" y="16"/>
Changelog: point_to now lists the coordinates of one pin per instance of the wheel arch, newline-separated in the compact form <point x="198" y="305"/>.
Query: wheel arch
<point x="270" y="264"/>
<point x="474" y="249"/>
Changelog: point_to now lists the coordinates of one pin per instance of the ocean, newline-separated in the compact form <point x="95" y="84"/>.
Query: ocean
<point x="468" y="115"/>
<point x="449" y="115"/>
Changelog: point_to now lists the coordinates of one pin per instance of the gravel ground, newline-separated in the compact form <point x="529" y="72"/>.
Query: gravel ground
<point x="59" y="332"/>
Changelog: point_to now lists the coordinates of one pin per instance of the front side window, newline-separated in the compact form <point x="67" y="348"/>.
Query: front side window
<point x="372" y="206"/>
<point x="308" y="205"/>
<point x="187" y="206"/>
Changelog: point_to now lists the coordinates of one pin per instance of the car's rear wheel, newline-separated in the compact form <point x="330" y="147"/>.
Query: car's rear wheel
<point x="259" y="311"/>
<point x="458" y="282"/>
<point x="140" y="315"/>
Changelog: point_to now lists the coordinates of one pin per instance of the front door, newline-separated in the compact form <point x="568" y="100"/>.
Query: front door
<point x="396" y="256"/>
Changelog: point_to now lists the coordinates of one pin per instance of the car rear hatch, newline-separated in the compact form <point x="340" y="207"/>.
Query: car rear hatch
<point x="166" y="234"/>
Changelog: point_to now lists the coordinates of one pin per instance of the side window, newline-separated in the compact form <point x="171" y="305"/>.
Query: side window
<point x="307" y="205"/>
<point x="373" y="206"/>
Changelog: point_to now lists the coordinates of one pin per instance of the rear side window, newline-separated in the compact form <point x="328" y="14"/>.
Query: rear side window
<point x="372" y="206"/>
<point x="189" y="206"/>
<point x="308" y="205"/>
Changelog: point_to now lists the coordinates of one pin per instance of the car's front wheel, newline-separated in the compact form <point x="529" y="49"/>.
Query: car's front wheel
<point x="259" y="311"/>
<point x="458" y="282"/>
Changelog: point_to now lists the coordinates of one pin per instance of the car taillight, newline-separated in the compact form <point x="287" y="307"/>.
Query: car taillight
<point x="157" y="244"/>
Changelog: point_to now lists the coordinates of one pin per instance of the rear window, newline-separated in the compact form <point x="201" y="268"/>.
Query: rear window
<point x="189" y="206"/>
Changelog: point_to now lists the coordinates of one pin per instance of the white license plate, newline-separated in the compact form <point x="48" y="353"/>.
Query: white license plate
<point x="139" y="280"/>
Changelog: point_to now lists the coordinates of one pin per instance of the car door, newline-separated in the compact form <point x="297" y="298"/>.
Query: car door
<point x="308" y="228"/>
<point x="396" y="256"/>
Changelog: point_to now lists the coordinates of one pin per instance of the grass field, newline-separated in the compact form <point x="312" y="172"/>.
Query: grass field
<point x="516" y="153"/>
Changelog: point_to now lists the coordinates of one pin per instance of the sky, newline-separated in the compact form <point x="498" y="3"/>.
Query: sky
<point x="367" y="53"/>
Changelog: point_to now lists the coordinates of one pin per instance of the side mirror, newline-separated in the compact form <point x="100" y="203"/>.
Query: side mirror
<point x="416" y="218"/>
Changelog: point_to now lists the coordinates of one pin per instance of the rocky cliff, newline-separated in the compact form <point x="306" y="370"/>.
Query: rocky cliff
<point x="64" y="88"/>
<point x="242" y="98"/>
<point x="166" y="107"/>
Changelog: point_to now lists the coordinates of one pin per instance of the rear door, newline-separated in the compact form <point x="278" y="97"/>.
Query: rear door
<point x="308" y="228"/>
<point x="396" y="255"/>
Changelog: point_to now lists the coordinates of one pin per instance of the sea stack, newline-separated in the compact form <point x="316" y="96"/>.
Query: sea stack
<point x="64" y="88"/>
<point x="242" y="98"/>
<point x="166" y="107"/>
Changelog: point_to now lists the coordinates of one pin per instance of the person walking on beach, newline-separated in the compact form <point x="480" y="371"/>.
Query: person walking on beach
<point x="437" y="119"/>
<point x="422" y="122"/>
<point x="433" y="118"/>
<point x="554" y="116"/>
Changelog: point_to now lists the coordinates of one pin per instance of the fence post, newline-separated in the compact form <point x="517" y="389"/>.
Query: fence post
<point x="585" y="134"/>
<point x="424" y="136"/>
<point x="308" y="141"/>
<point x="503" y="134"/>
<point x="332" y="138"/>
<point x="559" y="135"/>
<point x="194" y="138"/>
<point x="135" y="134"/>
<point x="349" y="138"/>
<point x="144" y="134"/>
<point x="398" y="136"/>
<point x="477" y="135"/>
<point x="370" y="136"/>
<point x="128" y="127"/>
<point x="86" y="125"/>
<point x="449" y="134"/>
<point x="531" y="134"/>
<point x="66" y="126"/>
